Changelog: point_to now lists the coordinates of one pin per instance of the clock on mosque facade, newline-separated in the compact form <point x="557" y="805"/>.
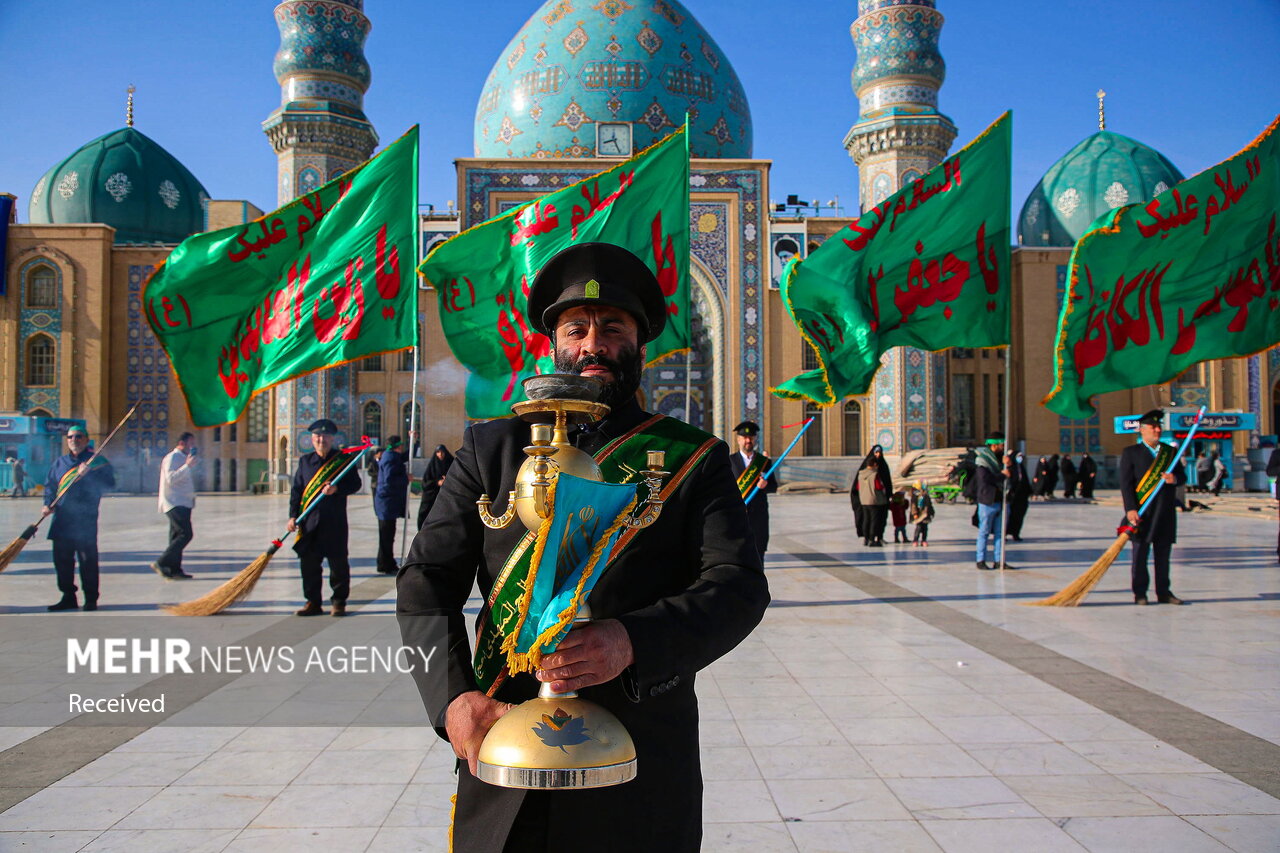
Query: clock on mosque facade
<point x="613" y="139"/>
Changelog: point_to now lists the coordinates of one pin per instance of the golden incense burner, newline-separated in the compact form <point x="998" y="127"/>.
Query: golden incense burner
<point x="559" y="741"/>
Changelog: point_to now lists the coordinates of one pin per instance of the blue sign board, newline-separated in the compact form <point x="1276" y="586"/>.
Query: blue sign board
<point x="1182" y="421"/>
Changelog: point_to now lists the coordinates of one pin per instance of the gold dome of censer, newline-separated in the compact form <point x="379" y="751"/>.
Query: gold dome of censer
<point x="516" y="752"/>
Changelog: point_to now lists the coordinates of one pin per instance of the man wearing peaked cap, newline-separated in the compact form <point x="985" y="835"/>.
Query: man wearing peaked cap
<point x="749" y="466"/>
<point x="1141" y="465"/>
<point x="680" y="594"/>
<point x="323" y="533"/>
<point x="74" y="529"/>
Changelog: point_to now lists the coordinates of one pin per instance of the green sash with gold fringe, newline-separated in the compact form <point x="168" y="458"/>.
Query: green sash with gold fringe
<point x="1159" y="465"/>
<point x="620" y="461"/>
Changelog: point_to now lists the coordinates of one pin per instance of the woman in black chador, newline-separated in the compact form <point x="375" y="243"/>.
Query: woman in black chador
<point x="872" y="488"/>
<point x="433" y="479"/>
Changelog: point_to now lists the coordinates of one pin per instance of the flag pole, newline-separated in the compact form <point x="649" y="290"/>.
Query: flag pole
<point x="1008" y="411"/>
<point x="688" y="384"/>
<point x="751" y="494"/>
<point x="413" y="427"/>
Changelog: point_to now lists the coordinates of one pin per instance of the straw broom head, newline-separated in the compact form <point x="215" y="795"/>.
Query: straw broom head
<point x="1075" y="592"/>
<point x="15" y="547"/>
<point x="230" y="592"/>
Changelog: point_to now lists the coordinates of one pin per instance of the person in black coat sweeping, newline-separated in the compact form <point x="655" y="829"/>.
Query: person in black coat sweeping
<point x="677" y="596"/>
<point x="432" y="480"/>
<point x="74" y="529"/>
<point x="1141" y="465"/>
<point x="749" y="465"/>
<point x="324" y="530"/>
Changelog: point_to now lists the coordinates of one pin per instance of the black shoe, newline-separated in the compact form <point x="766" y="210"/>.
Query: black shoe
<point x="68" y="602"/>
<point x="162" y="571"/>
<point x="312" y="608"/>
<point x="179" y="574"/>
<point x="1140" y="599"/>
<point x="1006" y="567"/>
<point x="391" y="571"/>
<point x="91" y="604"/>
<point x="1169" y="599"/>
<point x="984" y="566"/>
<point x="339" y="608"/>
<point x="1017" y="538"/>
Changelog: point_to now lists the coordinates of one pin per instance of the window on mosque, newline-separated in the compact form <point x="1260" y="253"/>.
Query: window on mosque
<point x="406" y="359"/>
<point x="813" y="435"/>
<point x="809" y="357"/>
<point x="233" y="476"/>
<point x="42" y="361"/>
<point x="256" y="428"/>
<point x="42" y="287"/>
<point x="371" y="364"/>
<point x="852" y="428"/>
<point x="372" y="419"/>
<point x="962" y="408"/>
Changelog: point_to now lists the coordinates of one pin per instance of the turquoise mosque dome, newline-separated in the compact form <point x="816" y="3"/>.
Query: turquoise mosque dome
<point x="1105" y="171"/>
<point x="585" y="79"/>
<point x="128" y="181"/>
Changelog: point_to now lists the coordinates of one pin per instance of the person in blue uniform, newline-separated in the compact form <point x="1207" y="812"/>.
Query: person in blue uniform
<point x="1158" y="526"/>
<point x="751" y="462"/>
<point x="390" y="500"/>
<point x="324" y="530"/>
<point x="74" y="529"/>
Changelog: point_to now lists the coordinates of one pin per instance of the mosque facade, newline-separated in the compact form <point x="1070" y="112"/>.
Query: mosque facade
<point x="579" y="86"/>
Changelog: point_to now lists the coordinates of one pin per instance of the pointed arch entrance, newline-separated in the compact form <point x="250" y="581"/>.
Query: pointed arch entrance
<point x="665" y="382"/>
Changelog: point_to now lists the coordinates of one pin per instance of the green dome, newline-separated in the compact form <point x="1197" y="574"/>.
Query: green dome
<point x="1103" y="172"/>
<point x="128" y="181"/>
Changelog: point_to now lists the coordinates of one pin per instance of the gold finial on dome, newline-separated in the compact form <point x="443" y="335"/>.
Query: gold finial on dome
<point x="1102" y="110"/>
<point x="128" y="107"/>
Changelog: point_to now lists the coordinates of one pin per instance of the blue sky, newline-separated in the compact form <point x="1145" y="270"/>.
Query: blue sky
<point x="1196" y="80"/>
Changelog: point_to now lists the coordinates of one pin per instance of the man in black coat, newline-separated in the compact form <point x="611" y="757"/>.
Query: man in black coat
<point x="74" y="529"/>
<point x="324" y="529"/>
<point x="1157" y="528"/>
<point x="390" y="501"/>
<point x="1019" y="495"/>
<point x="682" y="593"/>
<point x="748" y="458"/>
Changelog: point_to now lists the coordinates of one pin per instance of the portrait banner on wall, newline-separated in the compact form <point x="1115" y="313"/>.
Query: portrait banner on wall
<point x="1192" y="275"/>
<point x="783" y="245"/>
<point x="928" y="267"/>
<point x="482" y="276"/>
<point x="324" y="280"/>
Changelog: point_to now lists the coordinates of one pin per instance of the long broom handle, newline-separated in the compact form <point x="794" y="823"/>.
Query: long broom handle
<point x="778" y="462"/>
<point x="359" y="453"/>
<point x="1186" y="442"/>
<point x="97" y="450"/>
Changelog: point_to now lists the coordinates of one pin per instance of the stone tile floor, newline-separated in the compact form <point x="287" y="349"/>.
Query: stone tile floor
<point x="894" y="699"/>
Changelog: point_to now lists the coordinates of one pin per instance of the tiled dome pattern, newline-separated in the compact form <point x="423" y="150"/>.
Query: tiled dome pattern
<point x="896" y="40"/>
<point x="1103" y="172"/>
<point x="128" y="181"/>
<point x="576" y="63"/>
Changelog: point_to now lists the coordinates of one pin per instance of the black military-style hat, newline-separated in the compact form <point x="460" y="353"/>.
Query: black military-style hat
<point x="597" y="274"/>
<point x="1155" y="417"/>
<point x="324" y="426"/>
<point x="747" y="429"/>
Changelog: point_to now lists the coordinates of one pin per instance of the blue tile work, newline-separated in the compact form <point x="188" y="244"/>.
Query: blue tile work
<point x="575" y="64"/>
<point x="708" y="239"/>
<point x="147" y="381"/>
<point x="483" y="183"/>
<point x="30" y="322"/>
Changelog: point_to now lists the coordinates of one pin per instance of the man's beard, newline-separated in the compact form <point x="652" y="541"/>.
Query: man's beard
<point x="626" y="373"/>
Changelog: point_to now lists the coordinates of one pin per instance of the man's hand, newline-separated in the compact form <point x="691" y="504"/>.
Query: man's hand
<point x="762" y="483"/>
<point x="46" y="510"/>
<point x="468" y="720"/>
<point x="1133" y="516"/>
<point x="329" y="489"/>
<point x="1169" y="478"/>
<point x="293" y="525"/>
<point x="81" y="469"/>
<point x="593" y="654"/>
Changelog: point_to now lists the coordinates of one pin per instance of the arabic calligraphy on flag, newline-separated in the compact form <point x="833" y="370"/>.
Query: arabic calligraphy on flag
<point x="1193" y="274"/>
<point x="482" y="275"/>
<point x="326" y="279"/>
<point x="928" y="267"/>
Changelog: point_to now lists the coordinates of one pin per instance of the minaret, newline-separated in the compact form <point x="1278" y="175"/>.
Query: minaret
<point x="899" y="136"/>
<point x="318" y="132"/>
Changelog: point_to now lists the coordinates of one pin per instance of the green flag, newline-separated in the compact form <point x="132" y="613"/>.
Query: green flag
<point x="326" y="279"/>
<point x="1193" y="274"/>
<point x="482" y="275"/>
<point x="928" y="267"/>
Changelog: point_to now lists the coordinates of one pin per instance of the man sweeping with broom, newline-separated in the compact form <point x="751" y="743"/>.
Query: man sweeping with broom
<point x="1141" y="466"/>
<point x="77" y="481"/>
<point x="324" y="532"/>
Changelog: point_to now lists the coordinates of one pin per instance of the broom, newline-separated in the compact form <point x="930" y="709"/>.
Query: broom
<point x="1075" y="592"/>
<point x="242" y="584"/>
<point x="15" y="547"/>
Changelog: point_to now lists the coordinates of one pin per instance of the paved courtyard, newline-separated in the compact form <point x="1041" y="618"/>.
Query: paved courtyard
<point x="894" y="699"/>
